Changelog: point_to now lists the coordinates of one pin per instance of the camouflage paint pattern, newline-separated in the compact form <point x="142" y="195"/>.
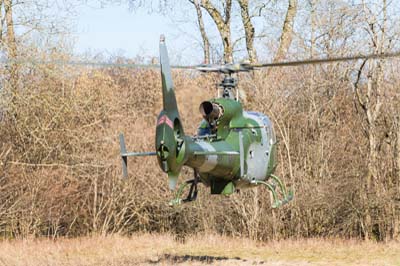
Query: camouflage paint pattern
<point x="218" y="157"/>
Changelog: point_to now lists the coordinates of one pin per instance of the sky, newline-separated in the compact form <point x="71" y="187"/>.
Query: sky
<point x="116" y="30"/>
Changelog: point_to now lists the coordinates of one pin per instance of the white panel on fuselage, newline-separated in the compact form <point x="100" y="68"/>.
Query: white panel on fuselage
<point x="210" y="160"/>
<point x="257" y="157"/>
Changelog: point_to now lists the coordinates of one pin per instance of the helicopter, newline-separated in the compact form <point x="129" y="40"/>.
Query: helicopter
<point x="233" y="149"/>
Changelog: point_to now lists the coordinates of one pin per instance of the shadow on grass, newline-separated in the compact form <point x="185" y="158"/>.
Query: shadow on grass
<point x="175" y="259"/>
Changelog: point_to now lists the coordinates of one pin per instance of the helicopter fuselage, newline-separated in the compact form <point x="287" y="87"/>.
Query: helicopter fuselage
<point x="233" y="149"/>
<point x="238" y="151"/>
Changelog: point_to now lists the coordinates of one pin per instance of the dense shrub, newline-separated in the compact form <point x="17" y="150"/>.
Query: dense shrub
<point x="60" y="167"/>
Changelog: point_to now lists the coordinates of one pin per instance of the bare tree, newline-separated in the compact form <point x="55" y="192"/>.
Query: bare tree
<point x="223" y="23"/>
<point x="248" y="30"/>
<point x="1" y="22"/>
<point x="287" y="31"/>
<point x="11" y="43"/>
<point x="371" y="102"/>
<point x="397" y="147"/>
<point x="206" y="42"/>
<point x="313" y="4"/>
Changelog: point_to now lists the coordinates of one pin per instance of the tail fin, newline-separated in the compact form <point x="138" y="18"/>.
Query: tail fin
<point x="169" y="130"/>
<point x="169" y="100"/>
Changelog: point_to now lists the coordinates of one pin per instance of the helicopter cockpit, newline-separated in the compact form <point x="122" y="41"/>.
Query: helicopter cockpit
<point x="204" y="129"/>
<point x="211" y="112"/>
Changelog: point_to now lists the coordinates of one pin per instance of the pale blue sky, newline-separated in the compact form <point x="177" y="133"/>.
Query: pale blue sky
<point x="116" y="30"/>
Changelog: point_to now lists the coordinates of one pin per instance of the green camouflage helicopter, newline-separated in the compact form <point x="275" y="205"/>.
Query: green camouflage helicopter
<point x="233" y="149"/>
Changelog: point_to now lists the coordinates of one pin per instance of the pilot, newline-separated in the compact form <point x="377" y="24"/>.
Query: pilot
<point x="211" y="112"/>
<point x="204" y="128"/>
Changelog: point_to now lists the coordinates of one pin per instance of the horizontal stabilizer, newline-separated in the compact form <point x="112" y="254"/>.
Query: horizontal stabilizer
<point x="125" y="155"/>
<point x="128" y="154"/>
<point x="216" y="153"/>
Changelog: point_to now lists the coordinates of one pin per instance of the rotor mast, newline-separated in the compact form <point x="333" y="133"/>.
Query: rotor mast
<point x="228" y="83"/>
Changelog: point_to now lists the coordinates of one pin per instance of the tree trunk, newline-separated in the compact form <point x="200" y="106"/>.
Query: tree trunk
<point x="206" y="43"/>
<point x="287" y="31"/>
<point x="248" y="30"/>
<point x="373" y="103"/>
<point x="313" y="4"/>
<point x="223" y="25"/>
<point x="397" y="152"/>
<point x="396" y="224"/>
<point x="1" y="23"/>
<point x="11" y="44"/>
<point x="228" y="49"/>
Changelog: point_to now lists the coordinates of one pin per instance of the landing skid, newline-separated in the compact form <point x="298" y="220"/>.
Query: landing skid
<point x="271" y="186"/>
<point x="192" y="195"/>
<point x="287" y="196"/>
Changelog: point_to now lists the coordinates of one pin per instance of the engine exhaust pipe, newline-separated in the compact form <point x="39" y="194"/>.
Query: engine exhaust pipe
<point x="210" y="111"/>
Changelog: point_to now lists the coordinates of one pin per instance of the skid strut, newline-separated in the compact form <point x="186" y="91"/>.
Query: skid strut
<point x="192" y="195"/>
<point x="287" y="196"/>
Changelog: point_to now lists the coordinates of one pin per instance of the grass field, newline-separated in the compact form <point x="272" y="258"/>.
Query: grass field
<point x="201" y="250"/>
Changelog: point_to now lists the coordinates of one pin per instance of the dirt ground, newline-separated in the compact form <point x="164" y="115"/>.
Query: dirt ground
<point x="148" y="249"/>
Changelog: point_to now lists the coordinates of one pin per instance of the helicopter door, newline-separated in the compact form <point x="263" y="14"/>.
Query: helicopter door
<point x="259" y="153"/>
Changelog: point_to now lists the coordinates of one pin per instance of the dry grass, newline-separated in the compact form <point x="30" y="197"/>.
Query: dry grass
<point x="148" y="249"/>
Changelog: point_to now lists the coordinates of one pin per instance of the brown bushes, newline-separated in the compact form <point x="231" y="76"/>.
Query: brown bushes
<point x="60" y="170"/>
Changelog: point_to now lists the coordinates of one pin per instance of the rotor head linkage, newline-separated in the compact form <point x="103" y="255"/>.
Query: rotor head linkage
<point x="228" y="83"/>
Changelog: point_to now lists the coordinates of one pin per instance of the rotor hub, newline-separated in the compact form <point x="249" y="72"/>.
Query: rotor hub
<point x="228" y="84"/>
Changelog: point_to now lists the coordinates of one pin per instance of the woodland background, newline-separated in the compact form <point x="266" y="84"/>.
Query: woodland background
<point x="338" y="124"/>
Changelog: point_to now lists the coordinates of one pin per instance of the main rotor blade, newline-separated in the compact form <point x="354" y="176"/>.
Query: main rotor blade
<point x="34" y="61"/>
<point x="203" y="68"/>
<point x="326" y="60"/>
